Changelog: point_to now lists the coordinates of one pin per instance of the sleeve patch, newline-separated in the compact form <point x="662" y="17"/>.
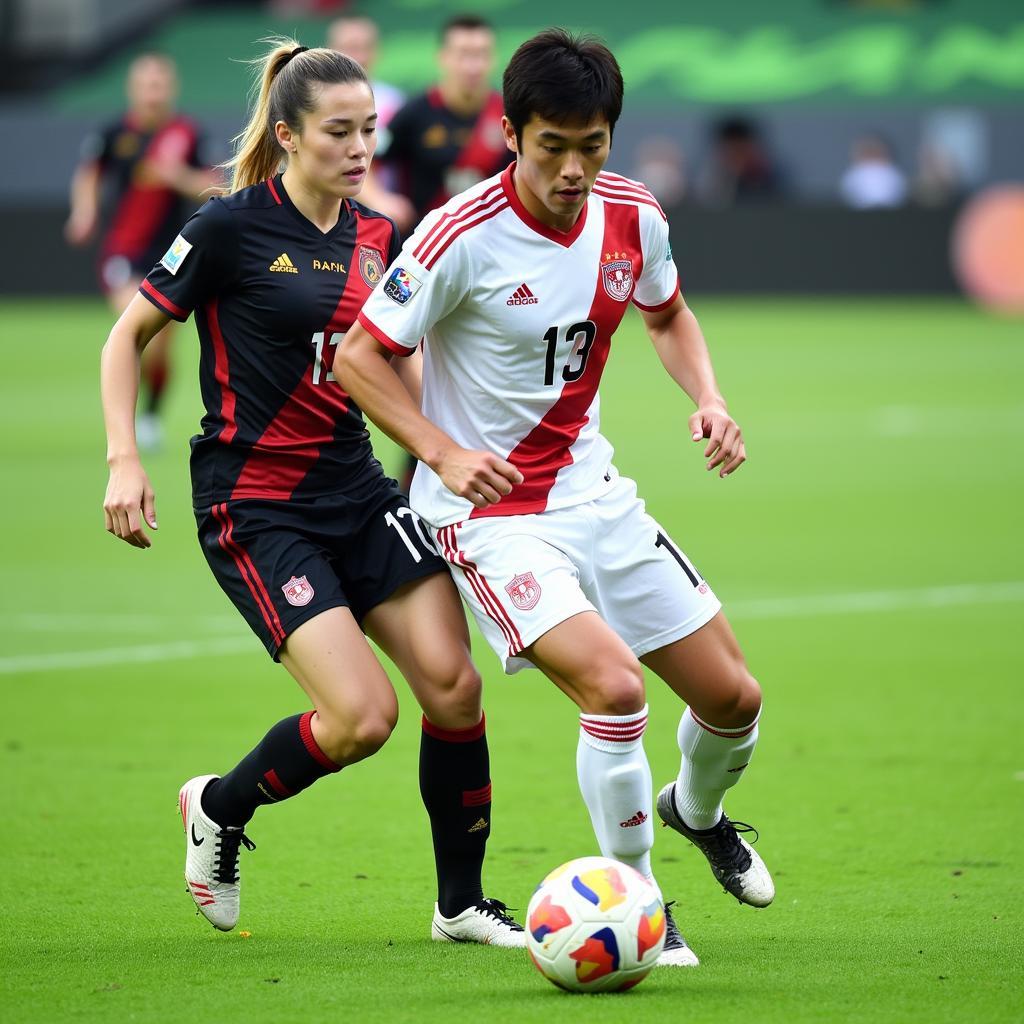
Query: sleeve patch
<point x="175" y="256"/>
<point x="401" y="286"/>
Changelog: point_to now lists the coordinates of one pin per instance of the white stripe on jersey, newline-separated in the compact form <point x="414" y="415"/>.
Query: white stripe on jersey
<point x="448" y="223"/>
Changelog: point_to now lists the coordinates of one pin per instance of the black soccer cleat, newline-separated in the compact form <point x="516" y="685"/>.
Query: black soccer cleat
<point x="676" y="952"/>
<point x="733" y="861"/>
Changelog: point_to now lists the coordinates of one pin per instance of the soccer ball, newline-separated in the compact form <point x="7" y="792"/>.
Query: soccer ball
<point x="595" y="925"/>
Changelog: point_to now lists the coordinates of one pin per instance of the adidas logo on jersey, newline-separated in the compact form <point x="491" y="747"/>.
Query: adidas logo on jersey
<point x="638" y="819"/>
<point x="284" y="265"/>
<point x="522" y="296"/>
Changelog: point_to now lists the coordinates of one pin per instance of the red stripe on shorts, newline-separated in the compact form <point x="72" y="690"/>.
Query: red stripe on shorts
<point x="248" y="573"/>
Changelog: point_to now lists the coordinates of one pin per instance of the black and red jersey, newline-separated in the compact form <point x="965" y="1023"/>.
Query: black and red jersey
<point x="439" y="153"/>
<point x="273" y="295"/>
<point x="144" y="213"/>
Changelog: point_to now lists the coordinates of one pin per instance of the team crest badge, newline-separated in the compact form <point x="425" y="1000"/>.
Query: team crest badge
<point x="617" y="275"/>
<point x="524" y="591"/>
<point x="371" y="265"/>
<point x="298" y="591"/>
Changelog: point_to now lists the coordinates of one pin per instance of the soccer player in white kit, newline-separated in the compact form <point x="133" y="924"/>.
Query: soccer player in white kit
<point x="517" y="286"/>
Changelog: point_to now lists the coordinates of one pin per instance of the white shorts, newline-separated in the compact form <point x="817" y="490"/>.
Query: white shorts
<point x="523" y="575"/>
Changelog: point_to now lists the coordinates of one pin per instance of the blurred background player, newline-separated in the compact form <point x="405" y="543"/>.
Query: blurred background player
<point x="147" y="165"/>
<point x="449" y="137"/>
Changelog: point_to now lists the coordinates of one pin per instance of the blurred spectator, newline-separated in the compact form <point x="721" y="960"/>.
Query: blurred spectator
<point x="660" y="164"/>
<point x="953" y="155"/>
<point x="358" y="38"/>
<point x="741" y="169"/>
<point x="149" y="162"/>
<point x="938" y="180"/>
<point x="872" y="180"/>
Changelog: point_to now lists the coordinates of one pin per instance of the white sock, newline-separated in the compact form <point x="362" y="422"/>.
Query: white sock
<point x="615" y="780"/>
<point x="713" y="761"/>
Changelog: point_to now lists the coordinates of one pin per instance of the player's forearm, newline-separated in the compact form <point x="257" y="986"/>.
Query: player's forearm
<point x="369" y="378"/>
<point x="684" y="353"/>
<point x="85" y="192"/>
<point x="119" y="390"/>
<point x="196" y="183"/>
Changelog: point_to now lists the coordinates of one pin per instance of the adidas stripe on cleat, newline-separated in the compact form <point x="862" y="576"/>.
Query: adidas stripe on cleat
<point x="487" y="923"/>
<point x="733" y="861"/>
<point x="211" y="857"/>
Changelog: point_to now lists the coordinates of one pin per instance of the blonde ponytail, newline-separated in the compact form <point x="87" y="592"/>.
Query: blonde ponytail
<point x="282" y="92"/>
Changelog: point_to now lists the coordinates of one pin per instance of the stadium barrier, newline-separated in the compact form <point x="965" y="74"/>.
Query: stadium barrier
<point x="775" y="249"/>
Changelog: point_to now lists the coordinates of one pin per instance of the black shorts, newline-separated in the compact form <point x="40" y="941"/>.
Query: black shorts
<point x="283" y="562"/>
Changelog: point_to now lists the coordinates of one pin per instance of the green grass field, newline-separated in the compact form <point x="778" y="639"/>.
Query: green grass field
<point x="867" y="554"/>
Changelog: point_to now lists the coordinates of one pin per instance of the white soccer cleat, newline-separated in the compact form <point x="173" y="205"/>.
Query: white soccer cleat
<point x="676" y="952"/>
<point x="487" y="922"/>
<point x="733" y="861"/>
<point x="211" y="857"/>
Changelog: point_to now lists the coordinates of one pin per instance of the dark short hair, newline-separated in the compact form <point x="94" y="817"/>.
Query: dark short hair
<point x="561" y="78"/>
<point x="471" y="22"/>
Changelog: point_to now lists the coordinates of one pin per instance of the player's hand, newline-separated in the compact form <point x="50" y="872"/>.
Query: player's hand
<point x="79" y="228"/>
<point x="481" y="477"/>
<point x="129" y="502"/>
<point x="168" y="173"/>
<point x="725" y="446"/>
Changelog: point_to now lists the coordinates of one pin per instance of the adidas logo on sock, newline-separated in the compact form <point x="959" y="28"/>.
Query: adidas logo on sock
<point x="522" y="296"/>
<point x="284" y="265"/>
<point x="480" y="823"/>
<point x="638" y="819"/>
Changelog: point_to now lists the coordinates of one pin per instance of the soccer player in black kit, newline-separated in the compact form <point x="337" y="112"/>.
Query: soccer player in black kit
<point x="150" y="160"/>
<point x="311" y="541"/>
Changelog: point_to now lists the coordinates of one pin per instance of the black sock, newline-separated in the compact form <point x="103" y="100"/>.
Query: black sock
<point x="286" y="761"/>
<point x="155" y="381"/>
<point x="455" y="783"/>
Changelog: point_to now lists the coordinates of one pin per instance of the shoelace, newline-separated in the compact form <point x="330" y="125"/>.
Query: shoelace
<point x="500" y="912"/>
<point x="673" y="936"/>
<point x="228" y="841"/>
<point x="727" y="848"/>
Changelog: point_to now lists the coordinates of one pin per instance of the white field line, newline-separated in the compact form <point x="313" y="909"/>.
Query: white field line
<point x="951" y="596"/>
<point x="121" y="623"/>
<point x="800" y="606"/>
<point x="138" y="654"/>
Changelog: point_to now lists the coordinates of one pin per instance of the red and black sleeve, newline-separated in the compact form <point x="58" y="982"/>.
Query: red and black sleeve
<point x="202" y="261"/>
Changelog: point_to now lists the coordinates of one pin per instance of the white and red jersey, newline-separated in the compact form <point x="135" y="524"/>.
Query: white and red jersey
<point x="518" y="319"/>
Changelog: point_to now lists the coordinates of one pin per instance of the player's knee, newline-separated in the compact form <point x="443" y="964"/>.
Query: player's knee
<point x="738" y="699"/>
<point x="371" y="733"/>
<point x="618" y="690"/>
<point x="347" y="740"/>
<point x="450" y="694"/>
